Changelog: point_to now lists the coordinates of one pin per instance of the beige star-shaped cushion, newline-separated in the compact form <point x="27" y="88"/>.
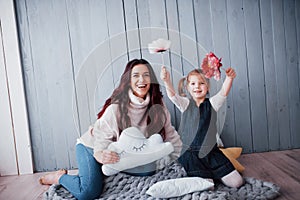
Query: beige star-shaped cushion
<point x="232" y="153"/>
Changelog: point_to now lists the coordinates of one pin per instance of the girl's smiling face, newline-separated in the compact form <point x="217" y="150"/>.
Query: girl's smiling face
<point x="197" y="87"/>
<point x="140" y="80"/>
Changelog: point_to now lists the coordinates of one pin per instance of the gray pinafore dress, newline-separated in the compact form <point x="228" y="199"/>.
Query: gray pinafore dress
<point x="200" y="155"/>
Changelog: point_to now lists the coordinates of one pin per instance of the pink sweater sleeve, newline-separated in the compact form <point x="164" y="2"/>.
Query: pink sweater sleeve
<point x="172" y="136"/>
<point x="105" y="130"/>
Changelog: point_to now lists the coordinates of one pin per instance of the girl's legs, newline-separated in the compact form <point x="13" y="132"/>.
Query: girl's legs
<point x="233" y="179"/>
<point x="88" y="184"/>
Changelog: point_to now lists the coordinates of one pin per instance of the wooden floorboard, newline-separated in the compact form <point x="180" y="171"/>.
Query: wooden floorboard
<point x="22" y="187"/>
<point x="279" y="167"/>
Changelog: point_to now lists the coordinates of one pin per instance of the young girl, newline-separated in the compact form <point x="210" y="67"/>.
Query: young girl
<point x="200" y="155"/>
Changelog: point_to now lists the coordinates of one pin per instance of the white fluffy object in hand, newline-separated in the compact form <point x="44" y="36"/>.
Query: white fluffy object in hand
<point x="178" y="187"/>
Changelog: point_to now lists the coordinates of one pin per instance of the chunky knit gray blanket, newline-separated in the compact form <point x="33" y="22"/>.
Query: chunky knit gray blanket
<point x="123" y="186"/>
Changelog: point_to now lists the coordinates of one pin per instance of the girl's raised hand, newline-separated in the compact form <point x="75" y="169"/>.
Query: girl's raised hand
<point x="164" y="74"/>
<point x="230" y="73"/>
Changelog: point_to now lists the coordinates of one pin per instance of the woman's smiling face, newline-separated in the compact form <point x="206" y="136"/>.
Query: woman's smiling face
<point x="140" y="80"/>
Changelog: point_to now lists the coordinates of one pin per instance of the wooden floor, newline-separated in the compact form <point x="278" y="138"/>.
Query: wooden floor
<point x="279" y="167"/>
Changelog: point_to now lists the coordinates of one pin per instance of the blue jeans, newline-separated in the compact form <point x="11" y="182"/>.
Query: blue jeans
<point x="88" y="184"/>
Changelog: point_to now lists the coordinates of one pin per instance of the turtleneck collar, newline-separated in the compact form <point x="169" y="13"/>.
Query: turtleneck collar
<point x="138" y="101"/>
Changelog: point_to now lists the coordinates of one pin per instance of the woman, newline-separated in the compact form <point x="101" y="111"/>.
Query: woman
<point x="137" y="102"/>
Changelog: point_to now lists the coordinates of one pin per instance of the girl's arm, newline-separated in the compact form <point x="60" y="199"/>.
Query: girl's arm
<point x="230" y="75"/>
<point x="218" y="99"/>
<point x="180" y="102"/>
<point x="165" y="77"/>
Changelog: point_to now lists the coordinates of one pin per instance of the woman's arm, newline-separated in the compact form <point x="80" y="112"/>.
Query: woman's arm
<point x="105" y="131"/>
<point x="172" y="136"/>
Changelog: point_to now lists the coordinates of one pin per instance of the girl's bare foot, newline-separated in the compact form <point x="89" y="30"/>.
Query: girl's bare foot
<point x="212" y="188"/>
<point x="52" y="177"/>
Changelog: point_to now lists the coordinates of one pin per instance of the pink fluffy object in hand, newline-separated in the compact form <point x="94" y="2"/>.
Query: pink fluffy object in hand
<point x="211" y="66"/>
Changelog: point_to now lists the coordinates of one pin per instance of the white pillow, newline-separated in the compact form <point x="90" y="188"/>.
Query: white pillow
<point x="135" y="150"/>
<point x="178" y="187"/>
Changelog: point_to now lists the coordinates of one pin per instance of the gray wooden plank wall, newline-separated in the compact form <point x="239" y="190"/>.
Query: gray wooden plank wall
<point x="74" y="51"/>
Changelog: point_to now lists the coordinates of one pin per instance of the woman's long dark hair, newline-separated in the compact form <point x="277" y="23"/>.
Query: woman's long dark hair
<point x="120" y="97"/>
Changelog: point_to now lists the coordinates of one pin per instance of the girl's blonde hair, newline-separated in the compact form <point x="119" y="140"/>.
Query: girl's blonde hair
<point x="183" y="82"/>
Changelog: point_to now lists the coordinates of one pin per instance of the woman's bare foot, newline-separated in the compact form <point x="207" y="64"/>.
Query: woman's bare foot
<point x="52" y="177"/>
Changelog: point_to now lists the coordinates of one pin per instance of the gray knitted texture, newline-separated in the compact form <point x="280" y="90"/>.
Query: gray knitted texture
<point x="123" y="186"/>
